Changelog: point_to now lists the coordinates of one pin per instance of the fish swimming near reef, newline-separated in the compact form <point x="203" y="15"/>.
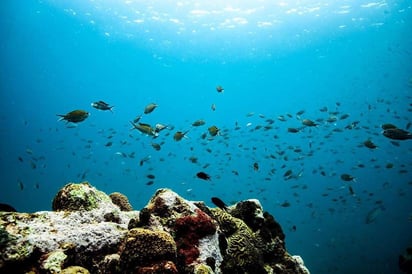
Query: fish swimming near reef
<point x="159" y="127"/>
<point x="309" y="123"/>
<point x="156" y="146"/>
<point x="202" y="175"/>
<point x="219" y="89"/>
<point x="7" y="208"/>
<point x="149" y="108"/>
<point x="293" y="130"/>
<point x="219" y="203"/>
<point x="137" y="119"/>
<point x="397" y="134"/>
<point x="74" y="116"/>
<point x="179" y="135"/>
<point x="145" y="128"/>
<point x="388" y="126"/>
<point x="198" y="123"/>
<point x="347" y="177"/>
<point x="144" y="160"/>
<point x="369" y="144"/>
<point x="213" y="130"/>
<point x="100" y="105"/>
<point x="373" y="214"/>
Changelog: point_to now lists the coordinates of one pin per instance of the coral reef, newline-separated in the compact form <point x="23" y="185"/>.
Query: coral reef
<point x="91" y="232"/>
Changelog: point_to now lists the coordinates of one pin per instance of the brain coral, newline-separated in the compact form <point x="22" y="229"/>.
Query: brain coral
<point x="144" y="247"/>
<point x="242" y="254"/>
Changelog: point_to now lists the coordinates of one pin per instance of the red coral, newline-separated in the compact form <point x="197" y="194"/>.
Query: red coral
<point x="189" y="229"/>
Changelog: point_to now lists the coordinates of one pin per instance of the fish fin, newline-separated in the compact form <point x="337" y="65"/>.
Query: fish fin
<point x="61" y="117"/>
<point x="134" y="126"/>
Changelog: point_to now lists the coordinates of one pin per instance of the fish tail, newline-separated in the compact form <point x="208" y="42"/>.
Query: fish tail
<point x="185" y="134"/>
<point x="61" y="117"/>
<point x="134" y="126"/>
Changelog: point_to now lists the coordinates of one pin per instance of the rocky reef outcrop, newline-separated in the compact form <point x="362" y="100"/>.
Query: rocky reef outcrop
<point x="89" y="231"/>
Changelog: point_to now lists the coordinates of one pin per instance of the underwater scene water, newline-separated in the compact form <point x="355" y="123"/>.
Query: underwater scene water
<point x="282" y="101"/>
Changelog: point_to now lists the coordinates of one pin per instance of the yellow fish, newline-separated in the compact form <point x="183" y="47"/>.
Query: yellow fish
<point x="198" y="123"/>
<point x="309" y="123"/>
<point x="213" y="130"/>
<point x="149" y="108"/>
<point x="145" y="128"/>
<point x="180" y="135"/>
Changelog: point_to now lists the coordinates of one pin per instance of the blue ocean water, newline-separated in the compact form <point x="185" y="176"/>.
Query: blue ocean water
<point x="323" y="59"/>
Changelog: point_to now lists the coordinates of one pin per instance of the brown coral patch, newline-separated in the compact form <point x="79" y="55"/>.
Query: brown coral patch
<point x="143" y="247"/>
<point x="121" y="201"/>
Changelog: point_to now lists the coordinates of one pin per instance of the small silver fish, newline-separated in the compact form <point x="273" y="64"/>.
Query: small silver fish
<point x="373" y="214"/>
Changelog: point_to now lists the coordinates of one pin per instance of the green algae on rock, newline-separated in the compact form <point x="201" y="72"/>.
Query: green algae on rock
<point x="75" y="270"/>
<point x="79" y="197"/>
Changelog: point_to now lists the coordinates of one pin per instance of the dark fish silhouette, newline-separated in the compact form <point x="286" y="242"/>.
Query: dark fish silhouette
<point x="373" y="214"/>
<point x="219" y="203"/>
<point x="203" y="176"/>
<point x="149" y="108"/>
<point x="219" y="89"/>
<point x="397" y="134"/>
<point x="347" y="177"/>
<point x="388" y="126"/>
<point x="369" y="144"/>
<point x="74" y="116"/>
<point x="293" y="130"/>
<point x="7" y="208"/>
<point x="102" y="105"/>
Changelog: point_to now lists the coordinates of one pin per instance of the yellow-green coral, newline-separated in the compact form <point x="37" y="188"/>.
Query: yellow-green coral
<point x="203" y="269"/>
<point x="75" y="270"/>
<point x="242" y="253"/>
<point x="54" y="261"/>
<point x="142" y="247"/>
<point x="79" y="197"/>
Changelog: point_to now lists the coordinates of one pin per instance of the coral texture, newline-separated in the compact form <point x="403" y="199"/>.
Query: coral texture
<point x="78" y="197"/>
<point x="88" y="233"/>
<point x="121" y="201"/>
<point x="189" y="229"/>
<point x="143" y="246"/>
